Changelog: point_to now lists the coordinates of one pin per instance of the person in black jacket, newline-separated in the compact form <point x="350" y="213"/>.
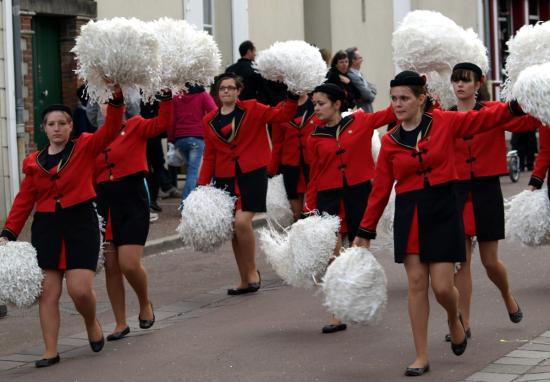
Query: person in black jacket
<point x="252" y="80"/>
<point x="338" y="75"/>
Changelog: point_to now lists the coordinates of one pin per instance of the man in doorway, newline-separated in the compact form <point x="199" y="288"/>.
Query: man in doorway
<point x="366" y="90"/>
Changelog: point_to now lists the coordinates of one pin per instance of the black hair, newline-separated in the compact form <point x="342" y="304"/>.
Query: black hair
<point x="340" y="55"/>
<point x="465" y="75"/>
<point x="333" y="92"/>
<point x="352" y="53"/>
<point x="245" y="47"/>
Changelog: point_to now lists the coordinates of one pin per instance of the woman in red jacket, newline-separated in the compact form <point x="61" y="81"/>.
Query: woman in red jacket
<point x="289" y="155"/>
<point x="542" y="163"/>
<point x="122" y="202"/>
<point x="65" y="228"/>
<point x="236" y="157"/>
<point x="342" y="167"/>
<point x="480" y="161"/>
<point x="418" y="154"/>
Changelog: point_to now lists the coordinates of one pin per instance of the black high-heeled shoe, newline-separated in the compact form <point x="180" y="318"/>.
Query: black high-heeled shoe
<point x="459" y="349"/>
<point x="47" y="362"/>
<point x="146" y="324"/>
<point x="417" y="371"/>
<point x="517" y="316"/>
<point x="97" y="346"/>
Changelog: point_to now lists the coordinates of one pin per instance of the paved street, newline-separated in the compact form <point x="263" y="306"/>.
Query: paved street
<point x="204" y="335"/>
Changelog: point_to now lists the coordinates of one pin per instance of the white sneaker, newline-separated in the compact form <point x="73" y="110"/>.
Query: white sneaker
<point x="153" y="217"/>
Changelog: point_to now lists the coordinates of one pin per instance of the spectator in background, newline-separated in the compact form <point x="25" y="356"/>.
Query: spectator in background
<point x="81" y="122"/>
<point x="96" y="112"/>
<point x="325" y="53"/>
<point x="252" y="80"/>
<point x="365" y="90"/>
<point x="338" y="75"/>
<point x="187" y="130"/>
<point x="526" y="145"/>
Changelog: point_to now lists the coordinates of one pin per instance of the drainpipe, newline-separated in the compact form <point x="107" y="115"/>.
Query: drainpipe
<point x="11" y="88"/>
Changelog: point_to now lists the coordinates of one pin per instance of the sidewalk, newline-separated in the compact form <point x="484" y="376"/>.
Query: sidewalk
<point x="202" y="334"/>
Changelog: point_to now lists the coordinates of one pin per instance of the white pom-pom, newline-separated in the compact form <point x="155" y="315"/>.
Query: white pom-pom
<point x="530" y="46"/>
<point x="312" y="242"/>
<point x="355" y="286"/>
<point x="188" y="56"/>
<point x="102" y="243"/>
<point x="278" y="206"/>
<point x="276" y="248"/>
<point x="206" y="218"/>
<point x="119" y="50"/>
<point x="528" y="218"/>
<point x="430" y="43"/>
<point x="20" y="275"/>
<point x="532" y="91"/>
<point x="296" y="63"/>
<point x="385" y="224"/>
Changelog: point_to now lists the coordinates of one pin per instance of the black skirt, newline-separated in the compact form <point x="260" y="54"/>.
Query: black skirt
<point x="124" y="207"/>
<point x="354" y="199"/>
<point x="73" y="230"/>
<point x="291" y="179"/>
<point x="440" y="228"/>
<point x="250" y="190"/>
<point x="488" y="205"/>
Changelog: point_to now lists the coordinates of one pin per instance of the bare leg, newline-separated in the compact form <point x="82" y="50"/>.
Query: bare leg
<point x="463" y="282"/>
<point x="447" y="296"/>
<point x="49" y="310"/>
<point x="244" y="246"/>
<point x="80" y="288"/>
<point x="297" y="206"/>
<point x="496" y="270"/>
<point x="129" y="261"/>
<point x="419" y="307"/>
<point x="115" y="287"/>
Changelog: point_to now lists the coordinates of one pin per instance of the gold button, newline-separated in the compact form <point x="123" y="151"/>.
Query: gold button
<point x="122" y="133"/>
<point x="350" y="131"/>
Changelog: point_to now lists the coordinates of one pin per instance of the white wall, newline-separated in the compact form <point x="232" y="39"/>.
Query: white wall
<point x="141" y="9"/>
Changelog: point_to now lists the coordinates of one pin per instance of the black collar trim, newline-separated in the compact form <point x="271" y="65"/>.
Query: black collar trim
<point x="239" y="117"/>
<point x="65" y="158"/>
<point x="326" y="131"/>
<point x="425" y="127"/>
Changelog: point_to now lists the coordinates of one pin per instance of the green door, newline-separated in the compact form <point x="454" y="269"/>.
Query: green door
<point x="46" y="70"/>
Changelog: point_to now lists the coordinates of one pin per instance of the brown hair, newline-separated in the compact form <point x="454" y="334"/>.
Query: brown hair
<point x="67" y="116"/>
<point x="464" y="75"/>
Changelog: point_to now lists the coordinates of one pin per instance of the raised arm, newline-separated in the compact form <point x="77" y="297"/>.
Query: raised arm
<point x="379" y="118"/>
<point x="152" y="127"/>
<point x="464" y="124"/>
<point x="22" y="205"/>
<point x="99" y="140"/>
<point x="283" y="112"/>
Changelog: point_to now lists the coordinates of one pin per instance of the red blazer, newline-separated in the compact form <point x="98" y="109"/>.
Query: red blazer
<point x="68" y="184"/>
<point x="289" y="141"/>
<point x="248" y="144"/>
<point x="485" y="154"/>
<point x="542" y="163"/>
<point x="126" y="155"/>
<point x="348" y="155"/>
<point x="432" y="160"/>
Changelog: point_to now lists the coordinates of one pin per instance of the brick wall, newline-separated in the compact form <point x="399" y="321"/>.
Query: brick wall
<point x="28" y="93"/>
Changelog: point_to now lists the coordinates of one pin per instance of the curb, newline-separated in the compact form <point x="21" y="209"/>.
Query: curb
<point x="172" y="242"/>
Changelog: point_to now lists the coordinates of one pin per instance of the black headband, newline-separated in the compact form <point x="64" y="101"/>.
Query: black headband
<point x="408" y="78"/>
<point x="334" y="90"/>
<point x="57" y="107"/>
<point x="469" y="66"/>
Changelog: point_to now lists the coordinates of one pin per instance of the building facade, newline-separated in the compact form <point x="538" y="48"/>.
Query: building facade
<point x="43" y="33"/>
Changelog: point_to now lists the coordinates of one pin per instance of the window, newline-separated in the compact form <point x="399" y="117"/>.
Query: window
<point x="534" y="11"/>
<point x="504" y="18"/>
<point x="208" y="16"/>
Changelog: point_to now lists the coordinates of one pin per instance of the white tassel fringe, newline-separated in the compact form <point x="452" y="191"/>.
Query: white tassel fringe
<point x="279" y="211"/>
<point x="355" y="287"/>
<point x="296" y="63"/>
<point x="528" y="218"/>
<point x="206" y="218"/>
<point x="20" y="275"/>
<point x="532" y="91"/>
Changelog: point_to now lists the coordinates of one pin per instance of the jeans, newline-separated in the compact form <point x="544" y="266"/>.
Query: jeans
<point x="191" y="149"/>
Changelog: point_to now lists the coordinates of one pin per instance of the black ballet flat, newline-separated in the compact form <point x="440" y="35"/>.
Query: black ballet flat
<point x="146" y="324"/>
<point x="331" y="328"/>
<point x="459" y="349"/>
<point x="417" y="371"/>
<point x="251" y="288"/>
<point x="97" y="346"/>
<point x="47" y="362"/>
<point x="517" y="316"/>
<point x="119" y="335"/>
<point x="468" y="334"/>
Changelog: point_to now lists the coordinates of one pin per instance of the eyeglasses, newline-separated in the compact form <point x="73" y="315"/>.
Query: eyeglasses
<point x="227" y="88"/>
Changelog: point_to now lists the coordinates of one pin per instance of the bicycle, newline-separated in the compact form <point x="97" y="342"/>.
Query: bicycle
<point x="512" y="158"/>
